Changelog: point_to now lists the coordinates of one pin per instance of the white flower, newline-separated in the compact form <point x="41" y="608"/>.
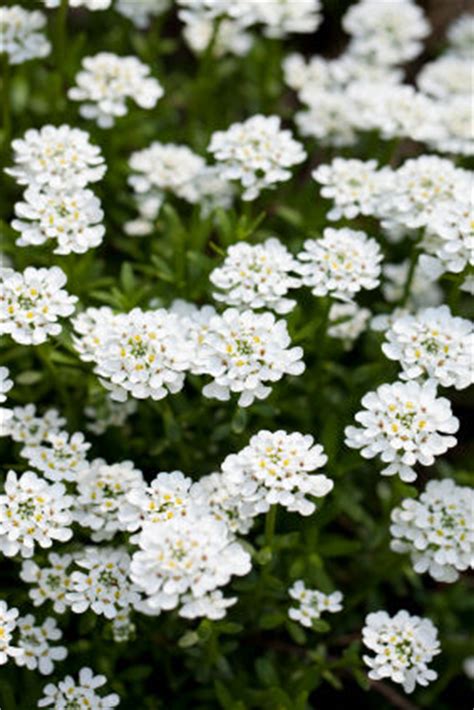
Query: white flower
<point x="257" y="276"/>
<point x="101" y="491"/>
<point x="5" y="383"/>
<point x="73" y="219"/>
<point x="404" y="423"/>
<point x="449" y="239"/>
<point x="51" y="581"/>
<point x="256" y="153"/>
<point x="327" y="119"/>
<point x="188" y="556"/>
<point x="61" y="457"/>
<point x="423" y="291"/>
<point x="32" y="512"/>
<point x="312" y="603"/>
<point x="20" y="34"/>
<point x="59" y="157"/>
<point x="164" y="498"/>
<point x="434" y="344"/>
<point x="27" y="428"/>
<point x="35" y="642"/>
<point x="283" y="17"/>
<point x="352" y="184"/>
<point x="403" y="646"/>
<point x="106" y="413"/>
<point x="107" y="81"/>
<point x="245" y="352"/>
<point x="385" y="32"/>
<point x="89" y="4"/>
<point x="275" y="468"/>
<point x="456" y="134"/>
<point x="437" y="530"/>
<point x="461" y="36"/>
<point x="341" y="263"/>
<point x="143" y="353"/>
<point x="211" y="606"/>
<point x="122" y="625"/>
<point x="8" y="624"/>
<point x="103" y="583"/>
<point x="141" y="13"/>
<point x="91" y="325"/>
<point x="446" y="76"/>
<point x="231" y="37"/>
<point x="31" y="303"/>
<point x="224" y="501"/>
<point x="347" y="321"/>
<point x="82" y="694"/>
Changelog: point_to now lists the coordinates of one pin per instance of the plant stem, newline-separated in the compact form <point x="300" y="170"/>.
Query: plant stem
<point x="7" y="119"/>
<point x="60" y="47"/>
<point x="410" y="276"/>
<point x="270" y="522"/>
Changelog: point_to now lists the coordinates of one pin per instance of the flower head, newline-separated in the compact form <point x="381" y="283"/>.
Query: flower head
<point x="21" y="37"/>
<point x="312" y="603"/>
<point x="69" y="693"/>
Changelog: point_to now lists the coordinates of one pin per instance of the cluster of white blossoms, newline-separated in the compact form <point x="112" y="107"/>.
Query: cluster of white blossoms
<point x="312" y="603"/>
<point x="403" y="646"/>
<point x="60" y="457"/>
<point x="88" y="4"/>
<point x="106" y="413"/>
<point x="433" y="344"/>
<point x="347" y="321"/>
<point x="190" y="558"/>
<point x="21" y="36"/>
<point x="257" y="153"/>
<point x="101" y="490"/>
<point x="103" y="582"/>
<point x="34" y="640"/>
<point x="257" y="276"/>
<point x="5" y="386"/>
<point x="107" y="81"/>
<point x="69" y="693"/>
<point x="276" y="468"/>
<point x="141" y="13"/>
<point x="32" y="302"/>
<point x="56" y="164"/>
<point x="437" y="530"/>
<point x="25" y="427"/>
<point x="341" y="263"/>
<point x="51" y="581"/>
<point x="404" y="423"/>
<point x="8" y="624"/>
<point x="33" y="513"/>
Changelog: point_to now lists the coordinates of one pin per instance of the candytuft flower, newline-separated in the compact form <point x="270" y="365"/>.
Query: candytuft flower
<point x="312" y="603"/>
<point x="69" y="693"/>
<point x="21" y="37"/>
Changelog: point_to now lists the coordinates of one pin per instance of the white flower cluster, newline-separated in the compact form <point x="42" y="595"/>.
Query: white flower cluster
<point x="34" y="640"/>
<point x="26" y="427"/>
<point x="275" y="468"/>
<point x="31" y="303"/>
<point x="5" y="386"/>
<point x="60" y="456"/>
<point x="437" y="530"/>
<point x="422" y="293"/>
<point x="341" y="263"/>
<point x="257" y="153"/>
<point x="433" y="344"/>
<point x="21" y="36"/>
<point x="404" y="423"/>
<point x="257" y="276"/>
<point x="403" y="646"/>
<point x="106" y="413"/>
<point x="347" y="321"/>
<point x="312" y="603"/>
<point x="88" y="4"/>
<point x="51" y="581"/>
<point x="33" y="512"/>
<point x="69" y="693"/>
<point x="56" y="164"/>
<point x="141" y="13"/>
<point x="8" y="624"/>
<point x="107" y="81"/>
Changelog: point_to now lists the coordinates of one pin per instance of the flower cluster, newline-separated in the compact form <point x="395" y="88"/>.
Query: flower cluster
<point x="312" y="603"/>
<point x="106" y="413"/>
<point x="60" y="457"/>
<point x="347" y="321"/>
<point x="403" y="647"/>
<point x="256" y="153"/>
<point x="5" y="386"/>
<point x="51" y="581"/>
<point x="82" y="694"/>
<point x="8" y="624"/>
<point x="107" y="81"/>
<point x="56" y="164"/>
<point x="26" y="427"/>
<point x="257" y="276"/>
<point x="143" y="12"/>
<point x="88" y="4"/>
<point x="35" y="640"/>
<point x="21" y="36"/>
<point x="404" y="424"/>
<point x="436" y="530"/>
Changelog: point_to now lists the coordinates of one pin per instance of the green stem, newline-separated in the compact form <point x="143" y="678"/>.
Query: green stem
<point x="270" y="523"/>
<point x="60" y="48"/>
<point x="409" y="279"/>
<point x="7" y="119"/>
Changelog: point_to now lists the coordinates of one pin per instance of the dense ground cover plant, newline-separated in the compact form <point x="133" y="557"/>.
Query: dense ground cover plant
<point x="236" y="354"/>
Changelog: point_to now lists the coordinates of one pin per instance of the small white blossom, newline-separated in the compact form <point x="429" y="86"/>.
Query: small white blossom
<point x="256" y="153"/>
<point x="224" y="501"/>
<point x="91" y="325"/>
<point x="404" y="423"/>
<point x="423" y="291"/>
<point x="347" y="321"/>
<point x="245" y="352"/>
<point x="103" y="583"/>
<point x="353" y="185"/>
<point x="107" y="81"/>
<point x="275" y="468"/>
<point x="35" y="642"/>
<point x="58" y="157"/>
<point x="89" y="4"/>
<point x="26" y="427"/>
<point x="437" y="530"/>
<point x="312" y="603"/>
<point x="434" y="344"/>
<point x="8" y="624"/>
<point x="32" y="512"/>
<point x="257" y="276"/>
<point x="72" y="219"/>
<point x="461" y="36"/>
<point x="341" y="263"/>
<point x="446" y="77"/>
<point x="61" y="457"/>
<point x="5" y="383"/>
<point x="21" y="36"/>
<point x="327" y="119"/>
<point x="69" y="693"/>
<point x="31" y="303"/>
<point x="283" y="17"/>
<point x="210" y="606"/>
<point x="106" y="413"/>
<point x="51" y="581"/>
<point x="230" y="37"/>
<point x="141" y="13"/>
<point x="122" y="625"/>
<point x="403" y="646"/>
